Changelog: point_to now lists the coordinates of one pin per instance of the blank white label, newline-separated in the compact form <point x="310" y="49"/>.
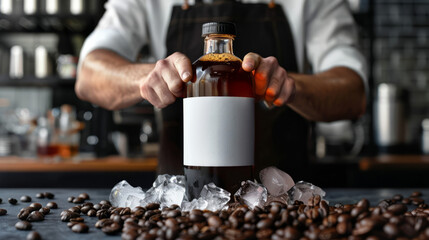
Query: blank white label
<point x="218" y="131"/>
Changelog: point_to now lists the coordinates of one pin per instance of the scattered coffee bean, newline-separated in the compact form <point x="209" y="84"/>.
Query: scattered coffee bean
<point x="45" y="210"/>
<point x="23" y="214"/>
<point x="25" y="199"/>
<point x="66" y="215"/>
<point x="416" y="194"/>
<point x="35" y="216"/>
<point x="111" y="229"/>
<point x="52" y="205"/>
<point x="78" y="219"/>
<point x="3" y="211"/>
<point x="12" y="201"/>
<point x="70" y="199"/>
<point x="92" y="213"/>
<point x="85" y="196"/>
<point x="78" y="200"/>
<point x="34" y="236"/>
<point x="23" y="225"/>
<point x="40" y="195"/>
<point x="71" y="224"/>
<point x="49" y="195"/>
<point x="80" y="228"/>
<point x="36" y="206"/>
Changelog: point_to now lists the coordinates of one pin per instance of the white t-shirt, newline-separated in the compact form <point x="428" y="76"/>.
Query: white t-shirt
<point x="324" y="32"/>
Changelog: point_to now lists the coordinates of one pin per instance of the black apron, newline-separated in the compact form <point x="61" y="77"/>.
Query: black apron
<point x="281" y="134"/>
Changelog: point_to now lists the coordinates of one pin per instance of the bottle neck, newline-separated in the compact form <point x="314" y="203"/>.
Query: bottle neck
<point x="218" y="43"/>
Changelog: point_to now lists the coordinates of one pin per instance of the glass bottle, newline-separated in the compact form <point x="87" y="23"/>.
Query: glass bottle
<point x="218" y="116"/>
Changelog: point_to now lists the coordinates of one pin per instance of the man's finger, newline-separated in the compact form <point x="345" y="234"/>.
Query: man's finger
<point x="263" y="75"/>
<point x="287" y="93"/>
<point x="275" y="84"/>
<point x="183" y="66"/>
<point x="251" y="62"/>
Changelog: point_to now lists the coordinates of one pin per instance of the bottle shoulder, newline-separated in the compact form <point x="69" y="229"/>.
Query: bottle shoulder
<point x="219" y="57"/>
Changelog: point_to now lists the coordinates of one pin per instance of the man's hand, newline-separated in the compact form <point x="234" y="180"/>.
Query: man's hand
<point x="165" y="82"/>
<point x="272" y="82"/>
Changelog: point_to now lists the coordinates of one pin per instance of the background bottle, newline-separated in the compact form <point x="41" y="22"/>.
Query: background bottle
<point x="218" y="116"/>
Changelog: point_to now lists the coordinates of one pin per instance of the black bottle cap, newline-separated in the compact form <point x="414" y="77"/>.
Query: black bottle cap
<point x="218" y="28"/>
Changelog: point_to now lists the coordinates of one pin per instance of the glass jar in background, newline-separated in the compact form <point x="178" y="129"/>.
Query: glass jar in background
<point x="46" y="147"/>
<point x="68" y="132"/>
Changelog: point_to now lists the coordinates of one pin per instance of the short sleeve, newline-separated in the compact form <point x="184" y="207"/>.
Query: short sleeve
<point x="331" y="38"/>
<point x="121" y="29"/>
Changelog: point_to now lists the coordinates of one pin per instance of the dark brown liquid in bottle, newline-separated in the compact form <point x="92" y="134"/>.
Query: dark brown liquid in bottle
<point x="218" y="75"/>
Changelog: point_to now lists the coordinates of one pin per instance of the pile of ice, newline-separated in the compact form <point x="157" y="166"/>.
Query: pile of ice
<point x="167" y="190"/>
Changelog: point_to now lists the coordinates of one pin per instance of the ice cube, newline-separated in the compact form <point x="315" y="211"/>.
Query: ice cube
<point x="120" y="192"/>
<point x="252" y="194"/>
<point x="166" y="190"/>
<point x="276" y="181"/>
<point x="194" y="204"/>
<point x="134" y="200"/>
<point x="302" y="191"/>
<point x="172" y="193"/>
<point x="216" y="197"/>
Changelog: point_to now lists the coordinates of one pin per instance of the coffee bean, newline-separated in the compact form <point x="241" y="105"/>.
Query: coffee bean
<point x="384" y="204"/>
<point x="391" y="230"/>
<point x="111" y="229"/>
<point x="12" y="201"/>
<point x="34" y="236"/>
<point x="291" y="233"/>
<point x="92" y="213"/>
<point x="52" y="205"/>
<point x="214" y="221"/>
<point x="173" y="213"/>
<point x="78" y="200"/>
<point x="80" y="228"/>
<point x="23" y="225"/>
<point x="152" y="206"/>
<point x="78" y="219"/>
<point x="23" y="214"/>
<point x="40" y="195"/>
<point x="49" y="195"/>
<point x="364" y="203"/>
<point x="3" y="211"/>
<point x="417" y="201"/>
<point x="416" y="194"/>
<point x="264" y="223"/>
<point x="398" y="197"/>
<point x="397" y="209"/>
<point x="364" y="227"/>
<point x="102" y="213"/>
<point x="74" y="209"/>
<point x="84" y="196"/>
<point x="85" y="209"/>
<point x="106" y="202"/>
<point x="344" y="228"/>
<point x="264" y="233"/>
<point x="36" y="206"/>
<point x="67" y="215"/>
<point x="35" y="216"/>
<point x="45" y="210"/>
<point x="25" y="199"/>
<point x="70" y="199"/>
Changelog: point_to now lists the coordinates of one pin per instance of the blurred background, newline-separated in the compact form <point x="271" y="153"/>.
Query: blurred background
<point x="49" y="138"/>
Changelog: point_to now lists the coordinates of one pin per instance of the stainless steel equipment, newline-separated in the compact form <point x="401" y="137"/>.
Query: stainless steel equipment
<point x="389" y="116"/>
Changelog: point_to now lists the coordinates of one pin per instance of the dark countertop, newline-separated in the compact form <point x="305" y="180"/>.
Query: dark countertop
<point x="53" y="228"/>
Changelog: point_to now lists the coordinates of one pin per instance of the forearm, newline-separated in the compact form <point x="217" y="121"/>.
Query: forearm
<point x="338" y="93"/>
<point x="109" y="80"/>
